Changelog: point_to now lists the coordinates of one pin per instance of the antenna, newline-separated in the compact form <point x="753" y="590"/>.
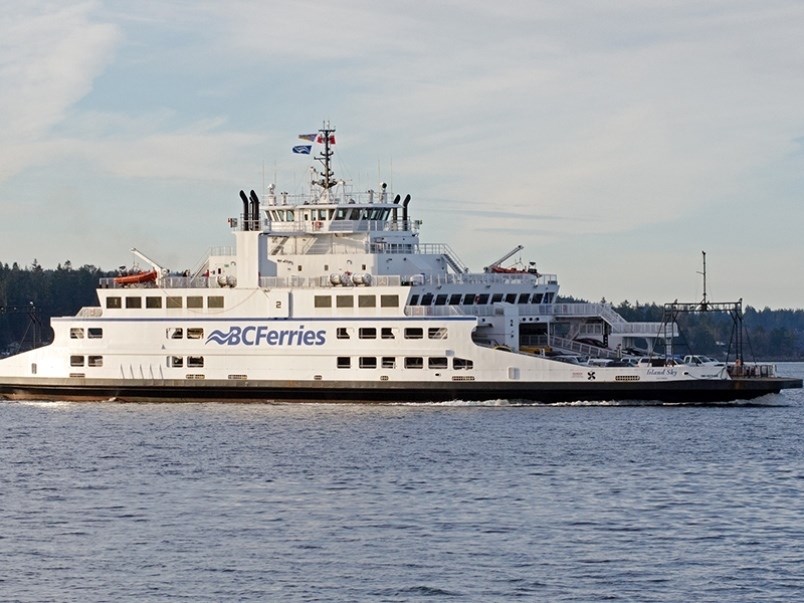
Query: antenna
<point x="327" y="137"/>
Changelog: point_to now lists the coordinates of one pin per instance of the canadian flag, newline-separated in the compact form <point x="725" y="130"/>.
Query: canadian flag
<point x="320" y="139"/>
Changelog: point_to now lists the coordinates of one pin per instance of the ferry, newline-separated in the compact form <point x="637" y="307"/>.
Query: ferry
<point x="332" y="296"/>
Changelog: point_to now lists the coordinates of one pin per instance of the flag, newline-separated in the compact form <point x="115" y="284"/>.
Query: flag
<point x="320" y="139"/>
<point x="303" y="149"/>
<point x="310" y="137"/>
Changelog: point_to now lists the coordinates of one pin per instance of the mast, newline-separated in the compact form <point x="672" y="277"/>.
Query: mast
<point x="326" y="136"/>
<point x="704" y="302"/>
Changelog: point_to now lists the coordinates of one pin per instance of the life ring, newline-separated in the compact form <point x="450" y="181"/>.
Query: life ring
<point x="317" y="225"/>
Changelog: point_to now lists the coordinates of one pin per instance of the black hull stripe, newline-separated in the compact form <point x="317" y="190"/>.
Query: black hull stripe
<point x="689" y="392"/>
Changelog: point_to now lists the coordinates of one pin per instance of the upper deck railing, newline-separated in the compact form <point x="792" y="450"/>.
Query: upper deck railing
<point x="178" y="281"/>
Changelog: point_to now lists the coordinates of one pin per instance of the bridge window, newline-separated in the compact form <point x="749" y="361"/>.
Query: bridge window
<point x="497" y="297"/>
<point x="482" y="299"/>
<point x="441" y="299"/>
<point x="510" y="298"/>
<point x="414" y="300"/>
<point x="114" y="302"/>
<point x="537" y="298"/>
<point x="195" y="301"/>
<point x="523" y="298"/>
<point x="455" y="299"/>
<point x="153" y="302"/>
<point x="133" y="302"/>
<point x="174" y="302"/>
<point x="215" y="301"/>
<point x="427" y="299"/>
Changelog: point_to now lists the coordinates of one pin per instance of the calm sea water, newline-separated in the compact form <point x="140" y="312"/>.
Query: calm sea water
<point x="219" y="502"/>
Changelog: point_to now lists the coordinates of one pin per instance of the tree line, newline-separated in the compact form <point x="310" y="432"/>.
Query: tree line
<point x="31" y="295"/>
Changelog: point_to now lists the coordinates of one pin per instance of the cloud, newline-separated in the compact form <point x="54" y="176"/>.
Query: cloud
<point x="610" y="118"/>
<point x="49" y="57"/>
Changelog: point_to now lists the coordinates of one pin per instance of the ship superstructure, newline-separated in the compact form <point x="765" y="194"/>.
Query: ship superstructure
<point x="332" y="296"/>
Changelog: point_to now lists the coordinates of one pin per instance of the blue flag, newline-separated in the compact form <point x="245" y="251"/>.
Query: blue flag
<point x="303" y="149"/>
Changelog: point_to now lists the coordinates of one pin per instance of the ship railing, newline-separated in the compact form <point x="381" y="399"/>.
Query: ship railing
<point x="581" y="309"/>
<point x="300" y="282"/>
<point x="646" y="329"/>
<point x="338" y="226"/>
<point x="583" y="349"/>
<point x="751" y="371"/>
<point x="166" y="282"/>
<point x="481" y="278"/>
<point x="342" y="194"/>
<point x="435" y="311"/>
<point x="476" y="310"/>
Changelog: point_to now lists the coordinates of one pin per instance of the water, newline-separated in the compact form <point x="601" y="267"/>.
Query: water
<point x="218" y="502"/>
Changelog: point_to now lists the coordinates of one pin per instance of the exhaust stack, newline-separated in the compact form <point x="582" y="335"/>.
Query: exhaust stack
<point x="245" y="210"/>
<point x="255" y="211"/>
<point x="405" y="208"/>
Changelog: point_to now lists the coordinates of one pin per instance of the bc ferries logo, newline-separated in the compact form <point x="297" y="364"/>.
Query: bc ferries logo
<point x="252" y="335"/>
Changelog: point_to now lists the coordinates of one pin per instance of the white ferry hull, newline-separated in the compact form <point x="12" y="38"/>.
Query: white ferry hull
<point x="333" y="297"/>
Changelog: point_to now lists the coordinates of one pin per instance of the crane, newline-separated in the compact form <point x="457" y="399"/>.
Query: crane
<point x="159" y="269"/>
<point x="495" y="266"/>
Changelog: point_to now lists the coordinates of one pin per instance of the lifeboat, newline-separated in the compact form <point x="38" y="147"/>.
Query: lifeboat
<point x="501" y="270"/>
<point x="136" y="279"/>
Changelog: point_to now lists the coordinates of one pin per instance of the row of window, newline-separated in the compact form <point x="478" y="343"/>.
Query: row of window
<point x="178" y="333"/>
<point x="343" y="362"/>
<point x="408" y="362"/>
<point x="391" y="333"/>
<point x="90" y="333"/>
<point x="363" y="301"/>
<point x="189" y="362"/>
<point x="85" y="361"/>
<point x="290" y="215"/>
<point x="171" y="302"/>
<point x="479" y="299"/>
<point x="341" y="333"/>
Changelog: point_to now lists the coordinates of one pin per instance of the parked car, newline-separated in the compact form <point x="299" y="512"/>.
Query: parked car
<point x="697" y="360"/>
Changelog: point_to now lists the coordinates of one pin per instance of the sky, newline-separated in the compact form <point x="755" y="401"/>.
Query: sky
<point x="614" y="139"/>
